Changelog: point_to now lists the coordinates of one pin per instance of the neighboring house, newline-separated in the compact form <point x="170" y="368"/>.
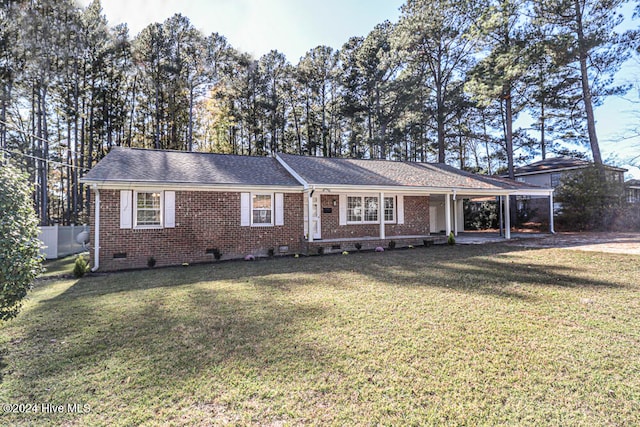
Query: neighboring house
<point x="549" y="173"/>
<point x="632" y="188"/>
<point x="181" y="207"/>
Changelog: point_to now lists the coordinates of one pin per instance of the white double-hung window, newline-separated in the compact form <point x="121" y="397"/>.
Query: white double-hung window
<point x="354" y="209"/>
<point x="262" y="209"/>
<point x="366" y="209"/>
<point x="389" y="209"/>
<point x="148" y="209"/>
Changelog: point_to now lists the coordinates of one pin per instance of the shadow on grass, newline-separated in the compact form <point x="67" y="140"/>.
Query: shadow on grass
<point x="484" y="269"/>
<point x="489" y="274"/>
<point x="60" y="267"/>
<point x="3" y="364"/>
<point x="147" y="331"/>
<point x="157" y="340"/>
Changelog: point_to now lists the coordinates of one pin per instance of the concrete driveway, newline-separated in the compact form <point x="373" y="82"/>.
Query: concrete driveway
<point x="614" y="242"/>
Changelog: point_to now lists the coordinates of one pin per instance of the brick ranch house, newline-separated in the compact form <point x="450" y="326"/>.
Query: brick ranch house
<point x="182" y="207"/>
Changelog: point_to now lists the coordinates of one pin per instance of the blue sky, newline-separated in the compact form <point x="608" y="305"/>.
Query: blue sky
<point x="293" y="27"/>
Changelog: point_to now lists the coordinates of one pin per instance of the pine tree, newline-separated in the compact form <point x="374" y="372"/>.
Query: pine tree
<point x="594" y="48"/>
<point x="435" y="37"/>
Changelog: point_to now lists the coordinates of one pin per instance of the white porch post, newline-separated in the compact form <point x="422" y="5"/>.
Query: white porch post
<point x="381" y="216"/>
<point x="552" y="229"/>
<point x="455" y="214"/>
<point x="310" y="217"/>
<point x="507" y="218"/>
<point x="447" y="214"/>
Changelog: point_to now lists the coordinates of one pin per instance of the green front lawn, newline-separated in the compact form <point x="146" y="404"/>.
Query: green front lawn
<point x="462" y="335"/>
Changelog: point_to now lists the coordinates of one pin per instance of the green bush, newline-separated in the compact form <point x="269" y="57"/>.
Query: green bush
<point x="589" y="201"/>
<point x="451" y="240"/>
<point x="20" y="257"/>
<point x="81" y="267"/>
<point x="480" y="215"/>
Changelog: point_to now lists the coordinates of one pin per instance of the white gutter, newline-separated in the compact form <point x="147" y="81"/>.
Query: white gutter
<point x="96" y="238"/>
<point x="376" y="189"/>
<point x="119" y="185"/>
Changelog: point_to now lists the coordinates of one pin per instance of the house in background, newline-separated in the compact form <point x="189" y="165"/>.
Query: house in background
<point x="549" y="173"/>
<point x="632" y="189"/>
<point x="181" y="207"/>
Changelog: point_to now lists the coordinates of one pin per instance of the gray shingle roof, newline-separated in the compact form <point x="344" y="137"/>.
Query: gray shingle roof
<point x="558" y="163"/>
<point x="356" y="172"/>
<point x="176" y="167"/>
<point x="133" y="165"/>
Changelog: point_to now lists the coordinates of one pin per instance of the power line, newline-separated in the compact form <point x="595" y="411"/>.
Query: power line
<point x="53" y="162"/>
<point x="39" y="138"/>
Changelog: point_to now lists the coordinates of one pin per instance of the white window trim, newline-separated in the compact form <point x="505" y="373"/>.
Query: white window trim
<point x="260" y="224"/>
<point x="380" y="209"/>
<point x="135" y="211"/>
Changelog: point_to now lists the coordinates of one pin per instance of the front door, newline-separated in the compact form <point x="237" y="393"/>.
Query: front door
<point x="316" y="210"/>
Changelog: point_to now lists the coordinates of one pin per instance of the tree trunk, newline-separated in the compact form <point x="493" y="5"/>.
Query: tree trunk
<point x="509" y="131"/>
<point x="586" y="90"/>
<point x="190" y="134"/>
<point x="440" y="123"/>
<point x="543" y="144"/>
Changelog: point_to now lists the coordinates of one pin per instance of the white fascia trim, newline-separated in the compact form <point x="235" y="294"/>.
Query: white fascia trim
<point x="293" y="173"/>
<point x="533" y="192"/>
<point x="135" y="185"/>
<point x="418" y="191"/>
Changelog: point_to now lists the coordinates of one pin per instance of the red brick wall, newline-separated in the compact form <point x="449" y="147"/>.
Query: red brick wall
<point x="416" y="220"/>
<point x="204" y="220"/>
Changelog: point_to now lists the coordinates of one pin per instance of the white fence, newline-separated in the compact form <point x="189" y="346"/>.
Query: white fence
<point x="61" y="241"/>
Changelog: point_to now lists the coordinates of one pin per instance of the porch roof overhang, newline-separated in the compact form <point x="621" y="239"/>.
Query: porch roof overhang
<point x="420" y="191"/>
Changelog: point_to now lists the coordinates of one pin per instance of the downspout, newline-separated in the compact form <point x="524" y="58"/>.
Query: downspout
<point x="96" y="238"/>
<point x="551" y="219"/>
